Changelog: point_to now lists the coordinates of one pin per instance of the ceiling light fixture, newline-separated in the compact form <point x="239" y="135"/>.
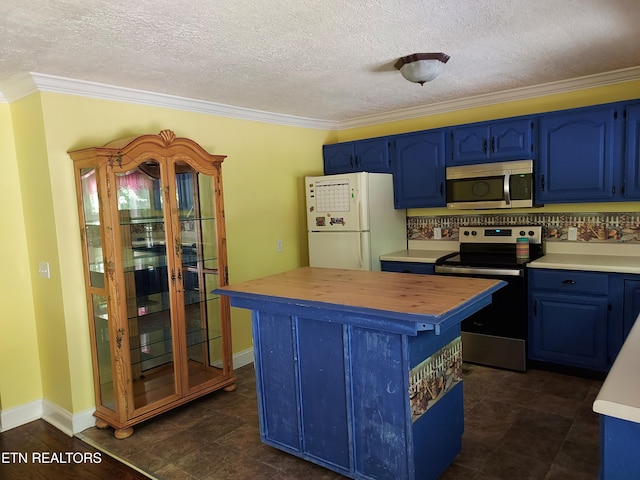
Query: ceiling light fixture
<point x="421" y="67"/>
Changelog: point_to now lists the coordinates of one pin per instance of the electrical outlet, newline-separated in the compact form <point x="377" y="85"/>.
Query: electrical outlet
<point x="279" y="246"/>
<point x="573" y="234"/>
<point x="437" y="233"/>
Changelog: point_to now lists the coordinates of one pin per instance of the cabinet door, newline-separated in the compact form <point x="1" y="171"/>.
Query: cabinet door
<point x="471" y="143"/>
<point x="372" y="155"/>
<point x="569" y="330"/>
<point x="632" y="155"/>
<point x="199" y="271"/>
<point x="511" y="140"/>
<point x="418" y="176"/>
<point x="338" y="158"/>
<point x="631" y="304"/>
<point x="577" y="156"/>
<point x="147" y="336"/>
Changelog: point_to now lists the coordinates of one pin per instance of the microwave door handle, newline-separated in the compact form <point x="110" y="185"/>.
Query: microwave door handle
<point x="505" y="187"/>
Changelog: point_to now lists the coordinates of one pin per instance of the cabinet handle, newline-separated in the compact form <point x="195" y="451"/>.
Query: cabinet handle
<point x="542" y="182"/>
<point x="569" y="282"/>
<point x="535" y="308"/>
<point x="357" y="161"/>
<point x="493" y="144"/>
<point x="613" y="190"/>
<point x="484" y="146"/>
<point x="441" y="189"/>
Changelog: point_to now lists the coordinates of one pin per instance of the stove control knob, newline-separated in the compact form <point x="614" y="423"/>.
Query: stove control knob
<point x="474" y="233"/>
<point x="466" y="233"/>
<point x="522" y="233"/>
<point x="531" y="233"/>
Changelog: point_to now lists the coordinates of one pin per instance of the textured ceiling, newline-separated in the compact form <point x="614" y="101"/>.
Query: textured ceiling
<point x="320" y="59"/>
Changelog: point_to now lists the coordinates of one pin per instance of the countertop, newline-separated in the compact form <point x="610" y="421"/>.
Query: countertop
<point x="415" y="256"/>
<point x="613" y="258"/>
<point x="619" y="396"/>
<point x="600" y="257"/>
<point x="429" y="302"/>
<point x="422" y="251"/>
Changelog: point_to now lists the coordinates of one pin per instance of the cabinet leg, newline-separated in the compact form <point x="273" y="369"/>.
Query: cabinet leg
<point x="101" y="424"/>
<point x="229" y="388"/>
<point x="121" y="433"/>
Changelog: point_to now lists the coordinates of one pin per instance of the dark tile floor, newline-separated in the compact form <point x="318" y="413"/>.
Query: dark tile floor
<point x="537" y="425"/>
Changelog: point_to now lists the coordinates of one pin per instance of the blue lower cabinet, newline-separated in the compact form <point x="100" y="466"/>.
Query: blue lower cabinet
<point x="366" y="403"/>
<point x="569" y="330"/>
<point x="569" y="318"/>
<point x="407" y="267"/>
<point x="619" y="440"/>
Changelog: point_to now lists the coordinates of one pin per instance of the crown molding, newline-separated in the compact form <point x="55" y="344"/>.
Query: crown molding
<point x="37" y="82"/>
<point x="523" y="93"/>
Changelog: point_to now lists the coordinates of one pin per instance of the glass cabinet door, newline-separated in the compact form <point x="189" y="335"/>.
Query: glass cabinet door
<point x="198" y="238"/>
<point x="143" y="235"/>
<point x="98" y="296"/>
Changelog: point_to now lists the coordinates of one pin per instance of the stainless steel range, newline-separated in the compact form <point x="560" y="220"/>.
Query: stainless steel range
<point x="497" y="334"/>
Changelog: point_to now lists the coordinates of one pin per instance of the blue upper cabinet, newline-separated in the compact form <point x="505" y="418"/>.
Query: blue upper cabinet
<point x="510" y="139"/>
<point x="580" y="156"/>
<point x="632" y="153"/>
<point x="371" y="155"/>
<point x="418" y="175"/>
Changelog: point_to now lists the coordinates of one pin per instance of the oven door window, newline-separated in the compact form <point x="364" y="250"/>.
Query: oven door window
<point x="475" y="189"/>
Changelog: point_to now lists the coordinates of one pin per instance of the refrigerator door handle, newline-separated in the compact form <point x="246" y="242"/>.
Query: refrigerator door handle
<point x="361" y="249"/>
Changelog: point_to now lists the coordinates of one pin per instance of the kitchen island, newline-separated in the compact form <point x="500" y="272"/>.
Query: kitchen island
<point x="360" y="371"/>
<point x="618" y="404"/>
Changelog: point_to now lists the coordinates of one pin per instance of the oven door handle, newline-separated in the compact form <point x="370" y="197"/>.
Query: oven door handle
<point x="507" y="272"/>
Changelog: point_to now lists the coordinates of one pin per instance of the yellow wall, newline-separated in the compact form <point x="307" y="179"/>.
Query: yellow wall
<point x="19" y="360"/>
<point x="44" y="343"/>
<point x="262" y="179"/>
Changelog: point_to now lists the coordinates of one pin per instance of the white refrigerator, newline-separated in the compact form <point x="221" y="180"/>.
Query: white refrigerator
<point x="351" y="220"/>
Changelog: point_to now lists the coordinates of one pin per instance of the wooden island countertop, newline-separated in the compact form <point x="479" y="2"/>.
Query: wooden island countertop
<point x="419" y="302"/>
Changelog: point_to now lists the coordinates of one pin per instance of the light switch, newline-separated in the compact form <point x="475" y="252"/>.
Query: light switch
<point x="279" y="246"/>
<point x="573" y="234"/>
<point x="43" y="269"/>
<point x="437" y="233"/>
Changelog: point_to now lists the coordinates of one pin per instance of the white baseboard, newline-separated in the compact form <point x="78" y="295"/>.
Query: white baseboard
<point x="73" y="423"/>
<point x="243" y="358"/>
<point x="20" y="415"/>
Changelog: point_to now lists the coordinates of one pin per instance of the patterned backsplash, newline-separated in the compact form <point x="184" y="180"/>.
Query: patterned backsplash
<point x="609" y="227"/>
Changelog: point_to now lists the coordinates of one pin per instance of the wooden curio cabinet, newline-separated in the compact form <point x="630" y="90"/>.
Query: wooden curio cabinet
<point x="152" y="225"/>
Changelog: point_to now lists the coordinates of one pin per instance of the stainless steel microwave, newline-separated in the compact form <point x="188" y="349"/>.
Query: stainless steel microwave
<point x="490" y="185"/>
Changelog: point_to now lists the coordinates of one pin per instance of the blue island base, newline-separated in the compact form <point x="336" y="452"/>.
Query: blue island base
<point x="366" y="403"/>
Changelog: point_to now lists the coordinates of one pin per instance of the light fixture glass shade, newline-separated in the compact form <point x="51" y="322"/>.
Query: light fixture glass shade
<point x="421" y="67"/>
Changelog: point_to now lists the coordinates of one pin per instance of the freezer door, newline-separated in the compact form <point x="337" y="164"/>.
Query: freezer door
<point x="349" y="250"/>
<point x="337" y="203"/>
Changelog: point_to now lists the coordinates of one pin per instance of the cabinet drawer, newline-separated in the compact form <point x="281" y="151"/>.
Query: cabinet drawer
<point x="569" y="281"/>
